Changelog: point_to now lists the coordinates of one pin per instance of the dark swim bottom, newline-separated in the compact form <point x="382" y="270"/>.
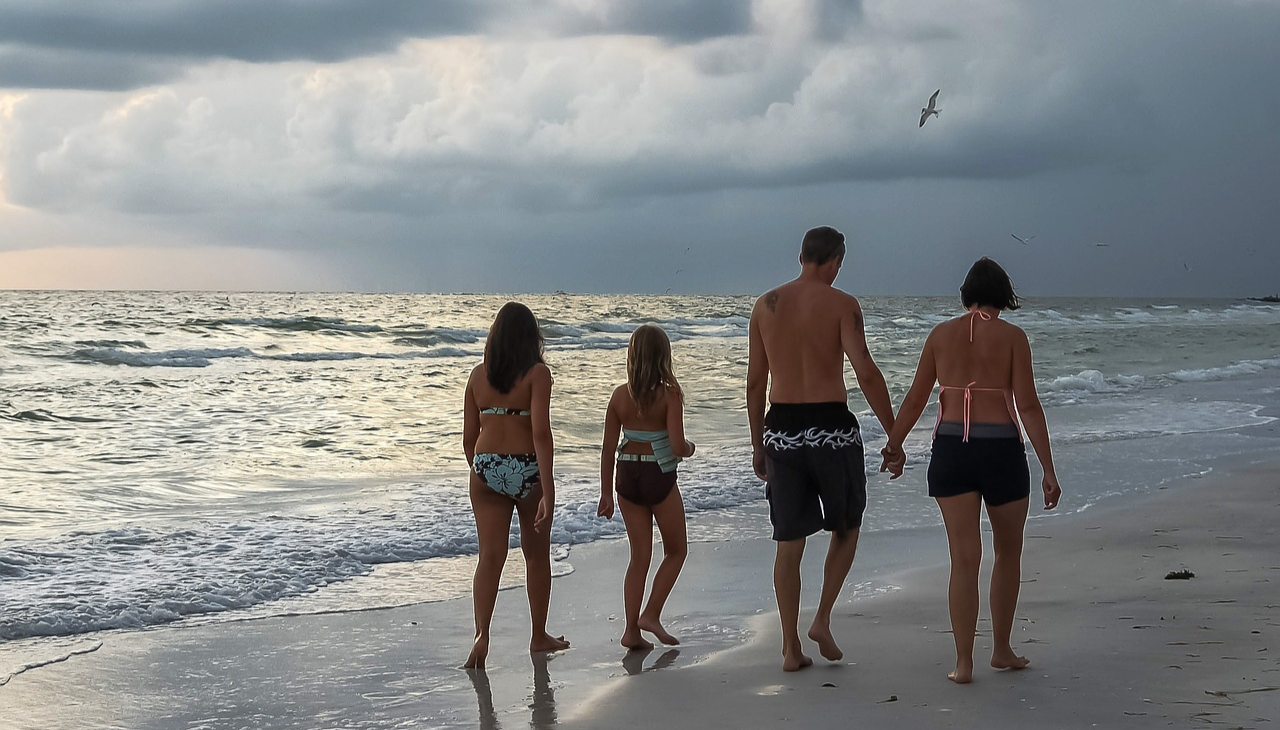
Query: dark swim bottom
<point x="817" y="474"/>
<point x="993" y="463"/>
<point x="643" y="482"/>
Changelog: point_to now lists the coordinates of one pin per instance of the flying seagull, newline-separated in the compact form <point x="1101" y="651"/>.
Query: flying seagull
<point x="930" y="110"/>
<point x="1020" y="239"/>
<point x="1102" y="244"/>
<point x="1184" y="265"/>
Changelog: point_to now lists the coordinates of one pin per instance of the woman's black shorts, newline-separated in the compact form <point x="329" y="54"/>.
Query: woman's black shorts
<point x="994" y="467"/>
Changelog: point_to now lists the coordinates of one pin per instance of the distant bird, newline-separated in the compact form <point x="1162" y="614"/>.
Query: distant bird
<point x="688" y="248"/>
<point x="1102" y="244"/>
<point x="1184" y="265"/>
<point x="679" y="270"/>
<point x="667" y="290"/>
<point x="930" y="110"/>
<point x="1020" y="239"/>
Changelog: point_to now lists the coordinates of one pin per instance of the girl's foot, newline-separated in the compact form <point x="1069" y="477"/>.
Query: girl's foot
<point x="479" y="650"/>
<point x="652" y="626"/>
<point x="634" y="641"/>
<point x="963" y="673"/>
<point x="794" y="661"/>
<point x="547" y="642"/>
<point x="1008" y="660"/>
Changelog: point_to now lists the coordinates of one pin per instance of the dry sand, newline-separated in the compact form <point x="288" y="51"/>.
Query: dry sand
<point x="1111" y="641"/>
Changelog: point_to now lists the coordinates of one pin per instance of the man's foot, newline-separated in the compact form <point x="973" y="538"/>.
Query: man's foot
<point x="652" y="626"/>
<point x="821" y="633"/>
<point x="547" y="642"/>
<point x="1008" y="660"/>
<point x="479" y="650"/>
<point x="963" y="673"/>
<point x="794" y="661"/>
<point x="633" y="640"/>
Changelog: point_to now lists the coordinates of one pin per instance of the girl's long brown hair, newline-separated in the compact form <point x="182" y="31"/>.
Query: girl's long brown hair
<point x="649" y="366"/>
<point x="514" y="346"/>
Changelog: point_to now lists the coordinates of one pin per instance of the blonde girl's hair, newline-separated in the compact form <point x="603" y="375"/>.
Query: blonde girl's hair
<point x="649" y="366"/>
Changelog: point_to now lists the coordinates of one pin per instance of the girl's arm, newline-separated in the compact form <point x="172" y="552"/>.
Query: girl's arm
<point x="612" y="430"/>
<point x="543" y="443"/>
<point x="1032" y="414"/>
<point x="909" y="412"/>
<point x="470" y="421"/>
<point x="680" y="446"/>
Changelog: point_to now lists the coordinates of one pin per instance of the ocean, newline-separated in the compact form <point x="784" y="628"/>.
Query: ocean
<point x="193" y="457"/>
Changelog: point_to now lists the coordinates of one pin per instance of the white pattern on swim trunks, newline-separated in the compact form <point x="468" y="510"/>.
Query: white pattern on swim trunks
<point x="815" y="437"/>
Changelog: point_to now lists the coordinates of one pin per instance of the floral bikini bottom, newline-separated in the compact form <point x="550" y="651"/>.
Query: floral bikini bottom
<point x="510" y="474"/>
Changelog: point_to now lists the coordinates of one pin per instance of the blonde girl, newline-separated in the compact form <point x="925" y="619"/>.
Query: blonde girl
<point x="648" y="413"/>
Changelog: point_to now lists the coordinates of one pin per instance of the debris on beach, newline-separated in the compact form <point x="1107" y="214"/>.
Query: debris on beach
<point x="1183" y="574"/>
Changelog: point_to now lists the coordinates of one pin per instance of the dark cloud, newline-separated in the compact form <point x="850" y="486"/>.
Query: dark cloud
<point x="117" y="44"/>
<point x="44" y="68"/>
<point x="677" y="20"/>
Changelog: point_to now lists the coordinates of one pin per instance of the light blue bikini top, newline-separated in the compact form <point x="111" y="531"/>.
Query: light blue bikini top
<point x="500" y="411"/>
<point x="659" y="441"/>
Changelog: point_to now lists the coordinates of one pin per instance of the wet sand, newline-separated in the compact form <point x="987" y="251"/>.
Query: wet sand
<point x="1112" y="643"/>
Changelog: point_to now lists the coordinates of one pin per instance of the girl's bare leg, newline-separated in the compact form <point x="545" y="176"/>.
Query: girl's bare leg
<point x="962" y="515"/>
<point x="669" y="514"/>
<point x="493" y="524"/>
<point x="536" y="547"/>
<point x="639" y="522"/>
<point x="1008" y="522"/>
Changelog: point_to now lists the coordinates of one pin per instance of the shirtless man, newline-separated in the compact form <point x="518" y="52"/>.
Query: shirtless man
<point x="808" y="449"/>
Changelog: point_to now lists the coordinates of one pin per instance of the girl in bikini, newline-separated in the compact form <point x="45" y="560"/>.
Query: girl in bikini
<point x="648" y="413"/>
<point x="506" y="434"/>
<point x="984" y="366"/>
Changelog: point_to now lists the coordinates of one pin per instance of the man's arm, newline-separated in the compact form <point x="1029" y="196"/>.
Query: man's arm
<point x="757" y="388"/>
<point x="853" y="338"/>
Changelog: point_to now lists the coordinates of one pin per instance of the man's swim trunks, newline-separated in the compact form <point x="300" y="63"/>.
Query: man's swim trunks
<point x="993" y="462"/>
<point x="817" y="474"/>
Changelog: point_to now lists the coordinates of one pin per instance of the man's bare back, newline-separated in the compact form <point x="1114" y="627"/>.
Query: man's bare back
<point x="803" y="326"/>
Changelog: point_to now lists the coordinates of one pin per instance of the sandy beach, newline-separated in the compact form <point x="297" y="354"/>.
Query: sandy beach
<point x="1112" y="643"/>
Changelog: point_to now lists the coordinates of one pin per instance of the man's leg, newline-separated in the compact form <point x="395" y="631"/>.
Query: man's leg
<point x="839" y="561"/>
<point x="786" y="587"/>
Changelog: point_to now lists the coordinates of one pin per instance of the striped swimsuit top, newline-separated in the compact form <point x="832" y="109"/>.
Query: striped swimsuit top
<point x="968" y="389"/>
<point x="659" y="441"/>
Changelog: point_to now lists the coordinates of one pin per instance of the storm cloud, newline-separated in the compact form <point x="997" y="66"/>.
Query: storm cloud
<point x="565" y="124"/>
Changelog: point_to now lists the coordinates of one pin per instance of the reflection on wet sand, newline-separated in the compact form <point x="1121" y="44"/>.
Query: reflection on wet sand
<point x="542" y="707"/>
<point x="633" y="662"/>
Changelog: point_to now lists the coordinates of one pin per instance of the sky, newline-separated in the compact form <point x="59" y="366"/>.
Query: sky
<point x="639" y="146"/>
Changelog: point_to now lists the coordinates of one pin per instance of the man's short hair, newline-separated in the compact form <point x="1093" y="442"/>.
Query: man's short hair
<point x="821" y="244"/>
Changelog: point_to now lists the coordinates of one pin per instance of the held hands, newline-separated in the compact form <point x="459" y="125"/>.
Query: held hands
<point x="1052" y="492"/>
<point x="894" y="460"/>
<point x="605" y="509"/>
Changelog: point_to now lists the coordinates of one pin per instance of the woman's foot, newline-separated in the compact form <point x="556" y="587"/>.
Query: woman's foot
<point x="654" y="627"/>
<point x="633" y="640"/>
<point x="547" y="642"/>
<point x="479" y="650"/>
<point x="963" y="673"/>
<point x="827" y="646"/>
<point x="1008" y="660"/>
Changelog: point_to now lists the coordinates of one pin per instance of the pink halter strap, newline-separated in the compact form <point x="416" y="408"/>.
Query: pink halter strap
<point x="974" y="314"/>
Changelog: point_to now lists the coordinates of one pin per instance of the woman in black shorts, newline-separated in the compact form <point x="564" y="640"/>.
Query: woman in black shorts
<point x="983" y="365"/>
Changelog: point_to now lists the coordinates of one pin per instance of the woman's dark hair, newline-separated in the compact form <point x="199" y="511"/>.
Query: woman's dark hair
<point x="987" y="285"/>
<point x="514" y="346"/>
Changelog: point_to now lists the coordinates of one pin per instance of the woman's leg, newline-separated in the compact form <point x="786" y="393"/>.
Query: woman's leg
<point x="962" y="515"/>
<point x="669" y="514"/>
<point x="639" y="522"/>
<point x="493" y="525"/>
<point x="1008" y="522"/>
<point x="536" y="547"/>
